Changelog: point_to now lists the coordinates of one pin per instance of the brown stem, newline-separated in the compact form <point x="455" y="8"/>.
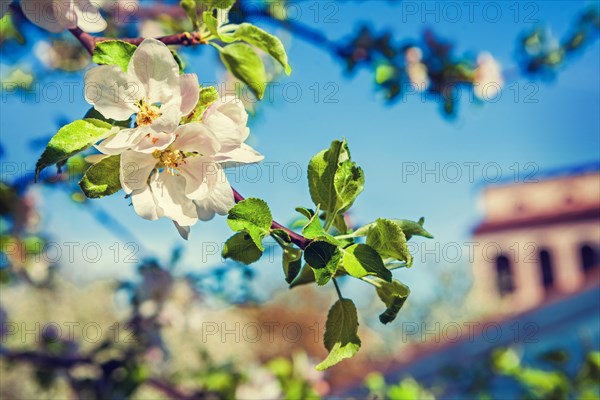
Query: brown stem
<point x="184" y="39"/>
<point x="297" y="239"/>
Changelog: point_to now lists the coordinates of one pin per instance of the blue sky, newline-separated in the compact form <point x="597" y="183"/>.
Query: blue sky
<point x="560" y="129"/>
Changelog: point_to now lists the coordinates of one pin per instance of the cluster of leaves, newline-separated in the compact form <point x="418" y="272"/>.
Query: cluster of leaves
<point x="542" y="55"/>
<point x="236" y="44"/>
<point x="552" y="383"/>
<point x="545" y="378"/>
<point x="328" y="248"/>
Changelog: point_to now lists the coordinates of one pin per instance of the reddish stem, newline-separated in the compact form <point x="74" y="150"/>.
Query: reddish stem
<point x="184" y="39"/>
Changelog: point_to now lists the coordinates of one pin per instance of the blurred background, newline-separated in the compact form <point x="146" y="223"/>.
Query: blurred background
<point x="483" y="117"/>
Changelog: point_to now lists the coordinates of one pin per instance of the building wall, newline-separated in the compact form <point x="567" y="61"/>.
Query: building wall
<point x="518" y="224"/>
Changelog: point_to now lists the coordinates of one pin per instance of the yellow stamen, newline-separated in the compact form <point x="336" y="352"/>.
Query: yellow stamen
<point x="170" y="160"/>
<point x="147" y="114"/>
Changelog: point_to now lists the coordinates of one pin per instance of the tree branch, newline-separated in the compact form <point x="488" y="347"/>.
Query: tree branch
<point x="297" y="239"/>
<point x="184" y="39"/>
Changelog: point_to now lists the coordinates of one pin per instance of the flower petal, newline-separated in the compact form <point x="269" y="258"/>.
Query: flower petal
<point x="155" y="67"/>
<point x="200" y="177"/>
<point x="168" y="191"/>
<point x="152" y="141"/>
<point x="144" y="204"/>
<point x="190" y="92"/>
<point x="195" y="137"/>
<point x="135" y="170"/>
<point x="242" y="155"/>
<point x="88" y="17"/>
<point x="220" y="200"/>
<point x="111" y="92"/>
<point x="122" y="140"/>
<point x="227" y="119"/>
<point x="49" y="15"/>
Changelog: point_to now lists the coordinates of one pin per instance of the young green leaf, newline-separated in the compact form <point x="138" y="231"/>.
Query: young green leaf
<point x="394" y="296"/>
<point x="334" y="180"/>
<point x="349" y="182"/>
<point x="240" y="247"/>
<point x="189" y="6"/>
<point x="222" y="4"/>
<point x="102" y="178"/>
<point x="178" y="60"/>
<point x="113" y="52"/>
<point x="70" y="140"/>
<point x="252" y="216"/>
<point x="265" y="41"/>
<point x="305" y="276"/>
<point x="388" y="239"/>
<point x="95" y="114"/>
<point x="292" y="262"/>
<point x="313" y="228"/>
<point x="324" y="258"/>
<point x="243" y="62"/>
<point x="341" y="333"/>
<point x="360" y="260"/>
<point x="208" y="95"/>
<point x="211" y="23"/>
<point x="411" y="228"/>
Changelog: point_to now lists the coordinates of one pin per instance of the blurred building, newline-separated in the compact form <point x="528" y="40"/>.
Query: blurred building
<point x="536" y="283"/>
<point x="538" y="241"/>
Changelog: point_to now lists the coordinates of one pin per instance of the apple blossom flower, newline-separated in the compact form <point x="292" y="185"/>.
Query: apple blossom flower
<point x="185" y="181"/>
<point x="152" y="88"/>
<point x="488" y="77"/>
<point x="57" y="15"/>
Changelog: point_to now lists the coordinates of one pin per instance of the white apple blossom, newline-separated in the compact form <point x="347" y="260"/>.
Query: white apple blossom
<point x="58" y="15"/>
<point x="184" y="180"/>
<point x="488" y="77"/>
<point x="152" y="88"/>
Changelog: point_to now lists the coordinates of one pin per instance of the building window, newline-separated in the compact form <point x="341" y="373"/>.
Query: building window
<point x="504" y="278"/>
<point x="546" y="267"/>
<point x="589" y="258"/>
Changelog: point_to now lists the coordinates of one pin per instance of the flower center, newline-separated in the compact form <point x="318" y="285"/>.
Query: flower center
<point x="147" y="114"/>
<point x="170" y="160"/>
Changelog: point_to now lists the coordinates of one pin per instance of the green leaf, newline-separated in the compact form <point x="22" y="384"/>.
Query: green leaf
<point x="281" y="234"/>
<point x="211" y="23"/>
<point x="222" y="4"/>
<point x="388" y="239"/>
<point x="334" y="180"/>
<point x="70" y="140"/>
<point x="208" y="95"/>
<point x="102" y="178"/>
<point x="324" y="258"/>
<point x="252" y="216"/>
<point x="305" y="276"/>
<point x="264" y="41"/>
<point x="292" y="262"/>
<point x="307" y="212"/>
<point x="178" y="60"/>
<point x="243" y="62"/>
<point x="95" y="114"/>
<point x="394" y="296"/>
<point x="313" y="228"/>
<point x="349" y="182"/>
<point x="113" y="52"/>
<point x="341" y="333"/>
<point x="189" y="7"/>
<point x="360" y="260"/>
<point x="411" y="228"/>
<point x="240" y="247"/>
